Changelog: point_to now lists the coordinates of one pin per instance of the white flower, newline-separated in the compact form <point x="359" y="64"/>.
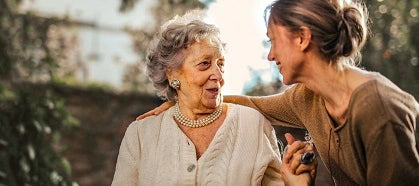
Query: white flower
<point x="31" y="152"/>
<point x="55" y="177"/>
<point x="47" y="130"/>
<point x="21" y="129"/>
<point x="24" y="165"/>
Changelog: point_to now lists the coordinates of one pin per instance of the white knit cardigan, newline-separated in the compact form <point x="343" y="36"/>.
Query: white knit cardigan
<point x="154" y="151"/>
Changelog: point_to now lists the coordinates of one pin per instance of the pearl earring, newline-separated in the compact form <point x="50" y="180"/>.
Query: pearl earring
<point x="175" y="84"/>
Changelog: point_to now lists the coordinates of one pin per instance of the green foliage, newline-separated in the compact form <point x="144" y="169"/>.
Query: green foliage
<point x="30" y="122"/>
<point x="23" y="48"/>
<point x="71" y="81"/>
<point x="393" y="46"/>
<point x="30" y="119"/>
<point x="33" y="47"/>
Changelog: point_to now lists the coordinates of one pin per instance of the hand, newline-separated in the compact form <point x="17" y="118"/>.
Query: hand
<point x="157" y="110"/>
<point x="291" y="179"/>
<point x="292" y="157"/>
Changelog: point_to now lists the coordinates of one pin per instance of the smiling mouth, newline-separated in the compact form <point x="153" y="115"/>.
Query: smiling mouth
<point x="213" y="90"/>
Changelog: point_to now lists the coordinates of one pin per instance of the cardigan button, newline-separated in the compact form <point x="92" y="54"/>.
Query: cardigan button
<point x="191" y="168"/>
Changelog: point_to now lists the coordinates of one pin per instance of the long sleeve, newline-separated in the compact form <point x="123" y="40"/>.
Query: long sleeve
<point x="280" y="109"/>
<point x="392" y="156"/>
<point x="126" y="171"/>
<point x="272" y="175"/>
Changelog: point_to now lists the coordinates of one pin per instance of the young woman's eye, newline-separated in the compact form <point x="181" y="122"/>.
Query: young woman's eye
<point x="267" y="42"/>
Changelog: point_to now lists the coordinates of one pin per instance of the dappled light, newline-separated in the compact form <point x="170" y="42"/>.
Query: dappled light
<point x="61" y="126"/>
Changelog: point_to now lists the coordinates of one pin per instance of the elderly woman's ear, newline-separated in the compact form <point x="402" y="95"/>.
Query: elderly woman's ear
<point x="170" y="73"/>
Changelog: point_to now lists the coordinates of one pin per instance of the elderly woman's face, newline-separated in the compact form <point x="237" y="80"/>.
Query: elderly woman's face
<point x="201" y="76"/>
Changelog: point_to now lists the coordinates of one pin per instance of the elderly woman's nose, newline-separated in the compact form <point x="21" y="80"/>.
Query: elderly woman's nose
<point x="217" y="73"/>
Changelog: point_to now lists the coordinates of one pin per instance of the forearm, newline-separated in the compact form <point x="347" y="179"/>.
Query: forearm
<point x="275" y="108"/>
<point x="240" y="100"/>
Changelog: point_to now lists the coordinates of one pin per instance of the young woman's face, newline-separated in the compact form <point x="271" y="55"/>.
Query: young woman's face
<point x="285" y="52"/>
<point x="201" y="76"/>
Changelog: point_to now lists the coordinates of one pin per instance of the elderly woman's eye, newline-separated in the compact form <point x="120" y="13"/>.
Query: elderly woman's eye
<point x="205" y="63"/>
<point x="220" y="62"/>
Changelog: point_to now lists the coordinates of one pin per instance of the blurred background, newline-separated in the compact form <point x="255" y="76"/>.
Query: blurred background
<point x="72" y="75"/>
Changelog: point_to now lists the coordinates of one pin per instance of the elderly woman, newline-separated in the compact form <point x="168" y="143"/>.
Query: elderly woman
<point x="200" y="140"/>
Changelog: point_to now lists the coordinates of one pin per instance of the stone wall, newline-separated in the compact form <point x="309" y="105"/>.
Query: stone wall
<point x="92" y="148"/>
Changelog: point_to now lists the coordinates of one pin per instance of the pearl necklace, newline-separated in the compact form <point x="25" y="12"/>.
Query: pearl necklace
<point x="182" y="119"/>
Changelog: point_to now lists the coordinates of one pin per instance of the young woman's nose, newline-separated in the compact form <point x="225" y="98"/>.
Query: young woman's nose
<point x="271" y="56"/>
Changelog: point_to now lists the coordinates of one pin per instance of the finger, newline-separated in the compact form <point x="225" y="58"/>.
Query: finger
<point x="163" y="107"/>
<point x="313" y="174"/>
<point x="168" y="104"/>
<point x="294" y="165"/>
<point x="304" y="168"/>
<point x="157" y="110"/>
<point x="309" y="147"/>
<point x="292" y="149"/>
<point x="149" y="113"/>
<point x="295" y="161"/>
<point x="160" y="108"/>
<point x="285" y="169"/>
<point x="290" y="138"/>
<point x="311" y="168"/>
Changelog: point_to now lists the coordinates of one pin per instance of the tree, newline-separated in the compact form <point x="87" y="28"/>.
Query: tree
<point x="393" y="46"/>
<point x="30" y="120"/>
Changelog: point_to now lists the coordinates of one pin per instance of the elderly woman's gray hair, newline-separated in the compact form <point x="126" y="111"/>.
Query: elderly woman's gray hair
<point x="167" y="48"/>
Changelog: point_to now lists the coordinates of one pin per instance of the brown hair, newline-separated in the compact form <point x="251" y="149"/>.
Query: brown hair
<point x="338" y="27"/>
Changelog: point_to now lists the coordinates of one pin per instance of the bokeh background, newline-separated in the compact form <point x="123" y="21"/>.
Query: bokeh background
<point x="72" y="75"/>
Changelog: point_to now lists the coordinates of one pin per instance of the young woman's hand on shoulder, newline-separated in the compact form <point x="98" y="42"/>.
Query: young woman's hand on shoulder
<point x="156" y="111"/>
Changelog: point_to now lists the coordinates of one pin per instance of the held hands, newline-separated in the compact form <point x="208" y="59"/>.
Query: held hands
<point x="293" y="171"/>
<point x="157" y="110"/>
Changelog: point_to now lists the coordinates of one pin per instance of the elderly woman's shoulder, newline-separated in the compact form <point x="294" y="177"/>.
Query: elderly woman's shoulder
<point x="150" y="122"/>
<point x="250" y="118"/>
